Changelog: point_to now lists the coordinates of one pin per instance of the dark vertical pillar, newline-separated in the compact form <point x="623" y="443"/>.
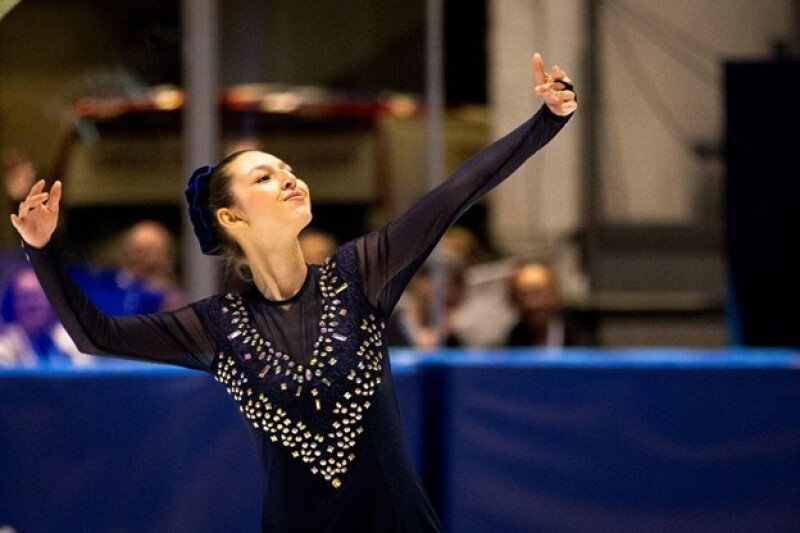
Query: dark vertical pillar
<point x="762" y="197"/>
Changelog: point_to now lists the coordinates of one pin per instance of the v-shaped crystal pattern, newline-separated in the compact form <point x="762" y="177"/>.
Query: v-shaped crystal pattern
<point x="316" y="411"/>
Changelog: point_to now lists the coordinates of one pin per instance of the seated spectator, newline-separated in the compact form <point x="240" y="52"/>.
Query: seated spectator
<point x="113" y="291"/>
<point x="139" y="279"/>
<point x="535" y="293"/>
<point x="412" y="323"/>
<point x="147" y="252"/>
<point x="30" y="333"/>
<point x="464" y="245"/>
<point x="316" y="245"/>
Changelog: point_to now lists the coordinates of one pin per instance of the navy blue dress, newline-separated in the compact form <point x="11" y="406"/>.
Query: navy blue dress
<point x="311" y="374"/>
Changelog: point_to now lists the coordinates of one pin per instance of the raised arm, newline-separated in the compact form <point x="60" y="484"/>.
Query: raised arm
<point x="389" y="256"/>
<point x="174" y="337"/>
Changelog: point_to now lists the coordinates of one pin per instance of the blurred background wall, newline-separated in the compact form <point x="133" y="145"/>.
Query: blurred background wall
<point x="628" y="202"/>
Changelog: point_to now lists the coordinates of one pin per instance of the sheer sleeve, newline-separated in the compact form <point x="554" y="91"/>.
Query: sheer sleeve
<point x="175" y="337"/>
<point x="390" y="255"/>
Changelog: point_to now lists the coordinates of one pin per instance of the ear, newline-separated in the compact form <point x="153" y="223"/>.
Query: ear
<point x="231" y="218"/>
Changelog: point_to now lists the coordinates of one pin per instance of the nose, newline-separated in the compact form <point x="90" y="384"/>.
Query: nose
<point x="289" y="180"/>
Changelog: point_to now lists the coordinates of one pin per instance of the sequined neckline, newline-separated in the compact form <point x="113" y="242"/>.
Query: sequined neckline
<point x="317" y="410"/>
<point x="281" y="362"/>
<point x="255" y="293"/>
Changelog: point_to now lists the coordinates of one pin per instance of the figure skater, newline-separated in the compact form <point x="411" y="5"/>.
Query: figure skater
<point x="301" y="349"/>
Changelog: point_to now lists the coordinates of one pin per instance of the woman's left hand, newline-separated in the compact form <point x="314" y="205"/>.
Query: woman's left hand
<point x="560" y="100"/>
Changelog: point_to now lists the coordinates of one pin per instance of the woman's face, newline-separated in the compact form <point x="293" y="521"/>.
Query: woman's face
<point x="269" y="197"/>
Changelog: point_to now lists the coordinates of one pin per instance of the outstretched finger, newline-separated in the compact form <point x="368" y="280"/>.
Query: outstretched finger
<point x="538" y="69"/>
<point x="37" y="187"/>
<point x="55" y="196"/>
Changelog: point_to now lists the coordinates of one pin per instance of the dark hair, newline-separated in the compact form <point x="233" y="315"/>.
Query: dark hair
<point x="220" y="195"/>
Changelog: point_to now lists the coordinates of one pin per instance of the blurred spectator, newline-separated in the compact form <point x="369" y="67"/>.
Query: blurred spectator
<point x="144" y="283"/>
<point x="147" y="252"/>
<point x="30" y="333"/>
<point x="316" y="245"/>
<point x="18" y="175"/>
<point x="462" y="244"/>
<point x="535" y="293"/>
<point x="411" y="324"/>
<point x="115" y="292"/>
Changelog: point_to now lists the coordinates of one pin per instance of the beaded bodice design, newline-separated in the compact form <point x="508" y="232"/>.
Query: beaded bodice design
<point x="315" y="411"/>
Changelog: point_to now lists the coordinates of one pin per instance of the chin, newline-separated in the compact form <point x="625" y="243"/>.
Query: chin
<point x="305" y="217"/>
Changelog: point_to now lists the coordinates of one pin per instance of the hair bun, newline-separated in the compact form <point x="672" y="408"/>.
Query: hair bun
<point x="202" y="219"/>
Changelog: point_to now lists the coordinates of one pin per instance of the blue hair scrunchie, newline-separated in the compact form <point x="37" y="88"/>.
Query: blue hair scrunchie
<point x="202" y="218"/>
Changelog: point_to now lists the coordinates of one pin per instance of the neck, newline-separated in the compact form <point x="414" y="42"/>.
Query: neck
<point x="278" y="268"/>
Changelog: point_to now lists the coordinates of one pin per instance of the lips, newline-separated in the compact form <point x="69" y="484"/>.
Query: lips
<point x="294" y="194"/>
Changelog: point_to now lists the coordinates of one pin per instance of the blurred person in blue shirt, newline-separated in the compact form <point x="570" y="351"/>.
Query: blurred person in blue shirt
<point x="30" y="333"/>
<point x="145" y="254"/>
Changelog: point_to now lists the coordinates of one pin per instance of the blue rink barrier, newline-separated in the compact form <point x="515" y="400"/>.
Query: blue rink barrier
<point x="507" y="441"/>
<point x="590" y="441"/>
<point x="135" y="447"/>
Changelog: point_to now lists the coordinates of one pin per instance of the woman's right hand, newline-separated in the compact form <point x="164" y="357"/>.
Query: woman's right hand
<point x="552" y="88"/>
<point x="38" y="214"/>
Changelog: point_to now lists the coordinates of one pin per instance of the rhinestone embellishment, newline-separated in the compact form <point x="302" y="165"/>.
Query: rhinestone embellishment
<point x="315" y="411"/>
